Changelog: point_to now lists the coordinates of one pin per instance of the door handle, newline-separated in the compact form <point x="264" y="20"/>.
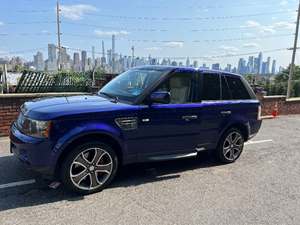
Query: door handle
<point x="226" y="112"/>
<point x="190" y="117"/>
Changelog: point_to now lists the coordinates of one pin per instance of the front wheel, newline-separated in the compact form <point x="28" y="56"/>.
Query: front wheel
<point x="89" y="168"/>
<point x="230" y="146"/>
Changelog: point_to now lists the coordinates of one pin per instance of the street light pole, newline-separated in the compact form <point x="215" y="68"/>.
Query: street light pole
<point x="292" y="66"/>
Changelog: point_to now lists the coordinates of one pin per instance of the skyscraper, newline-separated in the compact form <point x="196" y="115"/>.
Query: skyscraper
<point x="52" y="53"/>
<point x="38" y="61"/>
<point x="242" y="69"/>
<point x="216" y="66"/>
<point x="188" y="62"/>
<point x="103" y="59"/>
<point x="250" y="65"/>
<point x="93" y="55"/>
<point x="52" y="60"/>
<point x="113" y="54"/>
<point x="83" y="60"/>
<point x="260" y="61"/>
<point x="76" y="62"/>
<point x="195" y="64"/>
<point x="268" y="64"/>
<point x="274" y="67"/>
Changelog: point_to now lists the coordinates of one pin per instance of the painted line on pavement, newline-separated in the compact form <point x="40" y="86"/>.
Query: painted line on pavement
<point x="18" y="183"/>
<point x="258" y="142"/>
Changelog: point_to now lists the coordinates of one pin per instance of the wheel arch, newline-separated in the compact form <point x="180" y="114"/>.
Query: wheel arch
<point x="83" y="138"/>
<point x="243" y="127"/>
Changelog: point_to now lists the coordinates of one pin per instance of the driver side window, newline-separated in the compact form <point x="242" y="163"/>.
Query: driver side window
<point x="179" y="85"/>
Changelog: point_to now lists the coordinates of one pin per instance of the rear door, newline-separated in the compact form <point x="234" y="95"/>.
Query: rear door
<point x="242" y="102"/>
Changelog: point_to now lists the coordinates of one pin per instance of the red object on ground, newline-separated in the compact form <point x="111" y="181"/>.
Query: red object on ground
<point x="275" y="110"/>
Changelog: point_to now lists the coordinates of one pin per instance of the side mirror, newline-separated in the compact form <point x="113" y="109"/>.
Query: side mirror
<point x="160" y="97"/>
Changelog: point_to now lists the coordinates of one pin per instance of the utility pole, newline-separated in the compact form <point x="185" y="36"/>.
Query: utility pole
<point x="292" y="66"/>
<point x="58" y="34"/>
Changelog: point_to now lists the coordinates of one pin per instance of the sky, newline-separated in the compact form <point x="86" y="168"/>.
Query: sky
<point x="209" y="30"/>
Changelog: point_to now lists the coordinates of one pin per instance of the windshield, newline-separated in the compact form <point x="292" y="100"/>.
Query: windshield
<point x="129" y="85"/>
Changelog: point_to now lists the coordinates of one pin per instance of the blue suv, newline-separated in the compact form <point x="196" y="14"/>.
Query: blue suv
<point x="150" y="113"/>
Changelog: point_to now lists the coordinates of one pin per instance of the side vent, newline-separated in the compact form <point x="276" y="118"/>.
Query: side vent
<point x="127" y="123"/>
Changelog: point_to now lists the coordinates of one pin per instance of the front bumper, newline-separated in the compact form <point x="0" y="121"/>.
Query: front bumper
<point x="36" y="153"/>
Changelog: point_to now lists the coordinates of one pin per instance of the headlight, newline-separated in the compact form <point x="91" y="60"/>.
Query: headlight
<point x="34" y="128"/>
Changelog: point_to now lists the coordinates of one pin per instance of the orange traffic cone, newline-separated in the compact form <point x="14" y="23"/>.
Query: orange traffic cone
<point x="275" y="110"/>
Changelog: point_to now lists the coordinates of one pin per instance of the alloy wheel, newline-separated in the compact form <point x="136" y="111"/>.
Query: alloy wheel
<point x="91" y="168"/>
<point x="233" y="146"/>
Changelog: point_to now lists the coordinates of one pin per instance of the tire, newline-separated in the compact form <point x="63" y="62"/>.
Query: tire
<point x="89" y="168"/>
<point x="230" y="146"/>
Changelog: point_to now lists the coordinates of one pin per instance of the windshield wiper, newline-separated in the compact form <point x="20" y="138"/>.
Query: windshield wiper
<point x="115" y="98"/>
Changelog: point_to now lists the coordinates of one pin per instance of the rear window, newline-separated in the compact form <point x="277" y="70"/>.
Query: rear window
<point x="237" y="88"/>
<point x="211" y="86"/>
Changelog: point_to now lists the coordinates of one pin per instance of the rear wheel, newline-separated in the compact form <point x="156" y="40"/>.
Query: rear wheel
<point x="89" y="168"/>
<point x="230" y="146"/>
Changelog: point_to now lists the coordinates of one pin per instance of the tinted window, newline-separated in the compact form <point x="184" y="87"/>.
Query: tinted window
<point x="237" y="88"/>
<point x="179" y="86"/>
<point x="211" y="87"/>
<point x="226" y="95"/>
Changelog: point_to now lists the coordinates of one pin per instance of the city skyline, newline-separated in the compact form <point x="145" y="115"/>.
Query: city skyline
<point x="113" y="62"/>
<point x="198" y="29"/>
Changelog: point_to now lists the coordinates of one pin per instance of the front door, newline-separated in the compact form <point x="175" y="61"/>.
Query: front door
<point x="170" y="128"/>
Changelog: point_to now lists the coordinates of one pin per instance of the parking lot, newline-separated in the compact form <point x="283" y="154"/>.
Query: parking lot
<point x="262" y="187"/>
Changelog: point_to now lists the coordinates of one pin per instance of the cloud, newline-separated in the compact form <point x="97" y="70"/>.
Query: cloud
<point x="153" y="48"/>
<point x="76" y="12"/>
<point x="267" y="29"/>
<point x="252" y="23"/>
<point x="174" y="44"/>
<point x="250" y="45"/>
<point x="284" y="25"/>
<point x="102" y="33"/>
<point x="270" y="29"/>
<point x="45" y="32"/>
<point x="283" y="2"/>
<point x="1" y="23"/>
<point x="228" y="48"/>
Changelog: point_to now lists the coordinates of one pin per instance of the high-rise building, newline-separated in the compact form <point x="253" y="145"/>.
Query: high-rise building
<point x="242" y="68"/>
<point x="93" y="55"/>
<point x="83" y="60"/>
<point x="52" y="59"/>
<point x="274" y="67"/>
<point x="195" y="64"/>
<point x="228" y="68"/>
<point x="188" y="62"/>
<point x="268" y="64"/>
<point x="250" y="65"/>
<point x="52" y="53"/>
<point x="113" y="54"/>
<point x="39" y="62"/>
<point x="103" y="59"/>
<point x="260" y="61"/>
<point x="76" y="62"/>
<point x="216" y="66"/>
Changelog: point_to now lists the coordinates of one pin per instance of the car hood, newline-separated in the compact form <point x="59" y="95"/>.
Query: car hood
<point x="54" y="107"/>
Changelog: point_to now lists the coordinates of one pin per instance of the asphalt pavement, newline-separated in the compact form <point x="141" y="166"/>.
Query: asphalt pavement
<point x="262" y="187"/>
